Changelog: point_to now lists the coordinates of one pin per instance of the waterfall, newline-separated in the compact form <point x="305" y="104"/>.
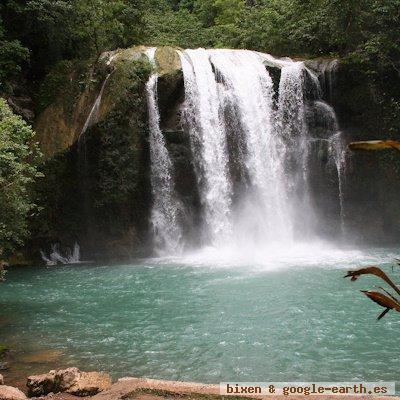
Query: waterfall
<point x="337" y="151"/>
<point x="328" y="78"/>
<point x="251" y="147"/>
<point x="292" y="125"/>
<point x="166" y="207"/>
<point x="261" y="214"/>
<point x="56" y="257"/>
<point x="208" y="141"/>
<point x="94" y="112"/>
<point x="336" y="144"/>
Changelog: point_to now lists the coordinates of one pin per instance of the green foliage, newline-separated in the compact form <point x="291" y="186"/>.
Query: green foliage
<point x="18" y="158"/>
<point x="67" y="29"/>
<point x="68" y="78"/>
<point x="104" y="24"/>
<point x="12" y="56"/>
<point x="180" y="28"/>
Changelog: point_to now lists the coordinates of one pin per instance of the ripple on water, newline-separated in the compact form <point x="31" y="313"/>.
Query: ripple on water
<point x="207" y="321"/>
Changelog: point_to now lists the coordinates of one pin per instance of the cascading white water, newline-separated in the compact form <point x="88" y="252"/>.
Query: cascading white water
<point x="166" y="207"/>
<point x="56" y="256"/>
<point x="293" y="128"/>
<point x="94" y="112"/>
<point x="329" y="77"/>
<point x="208" y="141"/>
<point x="337" y="152"/>
<point x="261" y="213"/>
<point x="250" y="147"/>
<point x="337" y="155"/>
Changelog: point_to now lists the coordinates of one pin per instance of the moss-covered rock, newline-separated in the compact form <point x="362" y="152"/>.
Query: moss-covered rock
<point x="69" y="92"/>
<point x="167" y="60"/>
<point x="64" y="102"/>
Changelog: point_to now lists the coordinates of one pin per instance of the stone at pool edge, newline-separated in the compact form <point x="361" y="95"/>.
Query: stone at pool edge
<point x="70" y="380"/>
<point x="3" y="366"/>
<point x="11" y="393"/>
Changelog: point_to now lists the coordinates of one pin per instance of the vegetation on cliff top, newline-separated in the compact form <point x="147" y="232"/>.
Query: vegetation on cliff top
<point x="364" y="31"/>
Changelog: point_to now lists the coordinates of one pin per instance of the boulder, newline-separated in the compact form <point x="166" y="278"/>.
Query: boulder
<point x="80" y="383"/>
<point x="70" y="380"/>
<point x="11" y="393"/>
<point x="167" y="60"/>
<point x="40" y="385"/>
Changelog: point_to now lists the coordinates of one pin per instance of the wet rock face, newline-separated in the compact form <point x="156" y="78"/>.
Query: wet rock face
<point x="70" y="380"/>
<point x="370" y="178"/>
<point x="372" y="196"/>
<point x="11" y="393"/>
<point x="101" y="180"/>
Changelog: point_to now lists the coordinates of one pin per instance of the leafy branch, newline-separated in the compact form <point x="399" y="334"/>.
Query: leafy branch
<point x="387" y="300"/>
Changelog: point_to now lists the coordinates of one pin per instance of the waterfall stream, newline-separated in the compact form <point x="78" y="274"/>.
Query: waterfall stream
<point x="166" y="207"/>
<point x="261" y="212"/>
<point x="94" y="112"/>
<point x="56" y="257"/>
<point x="293" y="129"/>
<point x="336" y="144"/>
<point x="208" y="141"/>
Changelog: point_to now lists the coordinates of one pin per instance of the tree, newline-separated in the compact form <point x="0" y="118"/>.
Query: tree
<point x="180" y="28"/>
<point x="66" y="29"/>
<point x="105" y="25"/>
<point x="18" y="159"/>
<point x="12" y="56"/>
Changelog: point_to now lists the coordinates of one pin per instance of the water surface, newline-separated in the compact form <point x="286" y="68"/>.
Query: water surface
<point x="200" y="320"/>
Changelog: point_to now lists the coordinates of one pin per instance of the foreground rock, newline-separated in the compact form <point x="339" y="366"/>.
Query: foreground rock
<point x="70" y="380"/>
<point x="153" y="389"/>
<point x="11" y="393"/>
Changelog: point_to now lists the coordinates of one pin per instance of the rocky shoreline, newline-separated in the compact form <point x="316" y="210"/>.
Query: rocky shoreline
<point x="72" y="384"/>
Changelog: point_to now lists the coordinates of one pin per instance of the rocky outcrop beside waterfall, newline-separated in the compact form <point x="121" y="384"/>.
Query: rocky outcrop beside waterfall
<point x="371" y="179"/>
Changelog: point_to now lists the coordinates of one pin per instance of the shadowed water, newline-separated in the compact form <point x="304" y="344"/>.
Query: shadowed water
<point x="174" y="320"/>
